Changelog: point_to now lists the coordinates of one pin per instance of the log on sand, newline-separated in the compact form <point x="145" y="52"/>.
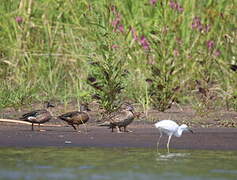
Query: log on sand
<point x="28" y="123"/>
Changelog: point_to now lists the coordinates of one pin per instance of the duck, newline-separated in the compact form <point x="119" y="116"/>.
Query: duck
<point x="76" y="117"/>
<point x="120" y="119"/>
<point x="39" y="116"/>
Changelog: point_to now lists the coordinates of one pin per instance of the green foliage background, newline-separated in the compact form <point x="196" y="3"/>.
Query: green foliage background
<point x="47" y="47"/>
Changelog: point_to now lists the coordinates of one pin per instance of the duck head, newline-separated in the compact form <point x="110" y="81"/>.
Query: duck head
<point x="127" y="107"/>
<point x="49" y="104"/>
<point x="84" y="107"/>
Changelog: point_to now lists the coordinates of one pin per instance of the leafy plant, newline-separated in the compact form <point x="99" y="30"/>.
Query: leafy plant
<point x="107" y="76"/>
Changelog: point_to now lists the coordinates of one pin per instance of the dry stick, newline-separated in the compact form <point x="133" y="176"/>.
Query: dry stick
<point x="28" y="123"/>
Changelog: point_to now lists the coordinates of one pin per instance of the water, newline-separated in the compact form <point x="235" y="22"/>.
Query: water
<point x="106" y="164"/>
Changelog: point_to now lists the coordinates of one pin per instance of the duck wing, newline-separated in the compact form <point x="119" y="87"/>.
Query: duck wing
<point x="75" y="117"/>
<point x="33" y="114"/>
<point x="68" y="116"/>
<point x="121" y="118"/>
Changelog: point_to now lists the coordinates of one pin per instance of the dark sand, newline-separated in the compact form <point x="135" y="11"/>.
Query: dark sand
<point x="210" y="132"/>
<point x="144" y="136"/>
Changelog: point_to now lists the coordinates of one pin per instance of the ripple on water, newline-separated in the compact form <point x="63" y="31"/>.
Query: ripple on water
<point x="171" y="156"/>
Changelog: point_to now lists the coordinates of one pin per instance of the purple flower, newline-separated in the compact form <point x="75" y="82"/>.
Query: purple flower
<point x="173" y="4"/>
<point x="116" y="21"/>
<point x="176" y="6"/>
<point x="19" y="19"/>
<point x="217" y="53"/>
<point x="144" y="42"/>
<point x="180" y="9"/>
<point x="114" y="46"/>
<point x="196" y="24"/>
<point x="121" y="28"/>
<point x="153" y="2"/>
<point x="210" y="44"/>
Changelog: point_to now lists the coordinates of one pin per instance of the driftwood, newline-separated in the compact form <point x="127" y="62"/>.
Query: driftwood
<point x="28" y="123"/>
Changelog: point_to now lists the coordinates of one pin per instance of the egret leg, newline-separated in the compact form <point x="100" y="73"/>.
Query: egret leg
<point x="159" y="140"/>
<point x="168" y="144"/>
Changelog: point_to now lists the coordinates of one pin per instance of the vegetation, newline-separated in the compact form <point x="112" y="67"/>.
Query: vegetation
<point x="151" y="52"/>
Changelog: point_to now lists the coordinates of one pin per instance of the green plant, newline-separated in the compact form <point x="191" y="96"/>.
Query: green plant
<point x="108" y="74"/>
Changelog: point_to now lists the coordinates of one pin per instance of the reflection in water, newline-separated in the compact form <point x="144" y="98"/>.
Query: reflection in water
<point x="112" y="163"/>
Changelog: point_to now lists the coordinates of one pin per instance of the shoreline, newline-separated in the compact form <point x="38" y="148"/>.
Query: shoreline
<point x="143" y="136"/>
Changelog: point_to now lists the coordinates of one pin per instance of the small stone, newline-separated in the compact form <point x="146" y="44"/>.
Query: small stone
<point x="68" y="142"/>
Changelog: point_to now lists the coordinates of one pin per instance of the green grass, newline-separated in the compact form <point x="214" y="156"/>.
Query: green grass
<point x="48" y="55"/>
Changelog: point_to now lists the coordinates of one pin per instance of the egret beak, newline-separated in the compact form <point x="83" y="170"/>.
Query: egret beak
<point x="190" y="130"/>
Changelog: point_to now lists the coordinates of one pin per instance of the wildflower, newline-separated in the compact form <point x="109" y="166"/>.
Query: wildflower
<point x="196" y="24"/>
<point x="153" y="2"/>
<point x="173" y="4"/>
<point x="116" y="23"/>
<point x="210" y="44"/>
<point x="217" y="53"/>
<point x="121" y="28"/>
<point x="180" y="9"/>
<point x="19" y="19"/>
<point x="176" y="6"/>
<point x="144" y="42"/>
<point x="114" y="46"/>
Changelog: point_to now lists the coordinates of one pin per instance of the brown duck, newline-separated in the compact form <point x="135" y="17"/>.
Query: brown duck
<point x="76" y="117"/>
<point x="120" y="119"/>
<point x="39" y="116"/>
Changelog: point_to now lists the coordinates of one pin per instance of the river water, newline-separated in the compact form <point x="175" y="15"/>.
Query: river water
<point x="116" y="163"/>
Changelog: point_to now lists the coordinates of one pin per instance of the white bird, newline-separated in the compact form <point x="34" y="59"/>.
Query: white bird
<point x="170" y="128"/>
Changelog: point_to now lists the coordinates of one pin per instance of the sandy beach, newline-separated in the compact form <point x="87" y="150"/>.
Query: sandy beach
<point x="143" y="135"/>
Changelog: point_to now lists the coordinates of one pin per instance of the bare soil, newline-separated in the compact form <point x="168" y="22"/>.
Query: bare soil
<point x="216" y="130"/>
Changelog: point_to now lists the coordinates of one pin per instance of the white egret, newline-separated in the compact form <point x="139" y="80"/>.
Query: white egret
<point x="170" y="128"/>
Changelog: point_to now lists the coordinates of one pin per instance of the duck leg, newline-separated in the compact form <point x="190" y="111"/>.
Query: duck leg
<point x="74" y="127"/>
<point x="78" y="129"/>
<point x="32" y="126"/>
<point x="41" y="129"/>
<point x="126" y="130"/>
<point x="86" y="129"/>
<point x="118" y="129"/>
